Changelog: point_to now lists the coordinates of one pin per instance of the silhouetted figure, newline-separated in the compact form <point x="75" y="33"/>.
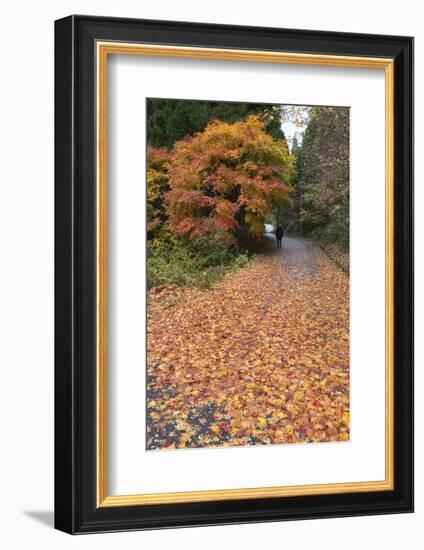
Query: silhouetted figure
<point x="279" y="235"/>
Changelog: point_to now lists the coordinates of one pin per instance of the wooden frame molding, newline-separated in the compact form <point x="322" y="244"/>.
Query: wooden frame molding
<point x="103" y="50"/>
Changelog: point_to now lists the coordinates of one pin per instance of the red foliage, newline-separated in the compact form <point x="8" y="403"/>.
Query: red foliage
<point x="226" y="178"/>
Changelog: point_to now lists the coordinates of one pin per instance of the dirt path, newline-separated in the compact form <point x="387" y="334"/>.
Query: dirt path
<point x="262" y="357"/>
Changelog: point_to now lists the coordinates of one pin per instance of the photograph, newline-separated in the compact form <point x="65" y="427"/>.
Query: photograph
<point x="247" y="245"/>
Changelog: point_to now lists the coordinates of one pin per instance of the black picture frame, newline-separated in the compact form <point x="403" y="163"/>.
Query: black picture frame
<point x="76" y="510"/>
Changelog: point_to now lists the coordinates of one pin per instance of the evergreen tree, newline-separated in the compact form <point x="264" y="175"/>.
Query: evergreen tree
<point x="170" y="120"/>
<point x="323" y="175"/>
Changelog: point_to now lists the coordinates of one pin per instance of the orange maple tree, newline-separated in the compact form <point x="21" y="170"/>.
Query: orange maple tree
<point x="227" y="178"/>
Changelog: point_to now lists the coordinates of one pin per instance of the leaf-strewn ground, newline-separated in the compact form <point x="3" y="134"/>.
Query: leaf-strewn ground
<point x="261" y="357"/>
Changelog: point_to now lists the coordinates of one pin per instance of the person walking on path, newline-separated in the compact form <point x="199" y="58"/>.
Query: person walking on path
<point x="279" y="235"/>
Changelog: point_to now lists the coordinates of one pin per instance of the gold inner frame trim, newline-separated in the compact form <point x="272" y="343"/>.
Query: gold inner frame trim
<point x="103" y="50"/>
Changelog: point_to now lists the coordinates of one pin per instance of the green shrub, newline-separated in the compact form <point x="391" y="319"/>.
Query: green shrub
<point x="176" y="261"/>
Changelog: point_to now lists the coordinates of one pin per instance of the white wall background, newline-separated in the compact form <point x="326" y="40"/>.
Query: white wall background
<point x="26" y="273"/>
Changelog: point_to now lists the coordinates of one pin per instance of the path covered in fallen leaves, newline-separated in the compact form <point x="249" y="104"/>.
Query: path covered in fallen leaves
<point x="262" y="357"/>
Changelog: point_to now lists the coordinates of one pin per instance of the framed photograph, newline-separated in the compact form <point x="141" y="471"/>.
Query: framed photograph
<point x="234" y="269"/>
